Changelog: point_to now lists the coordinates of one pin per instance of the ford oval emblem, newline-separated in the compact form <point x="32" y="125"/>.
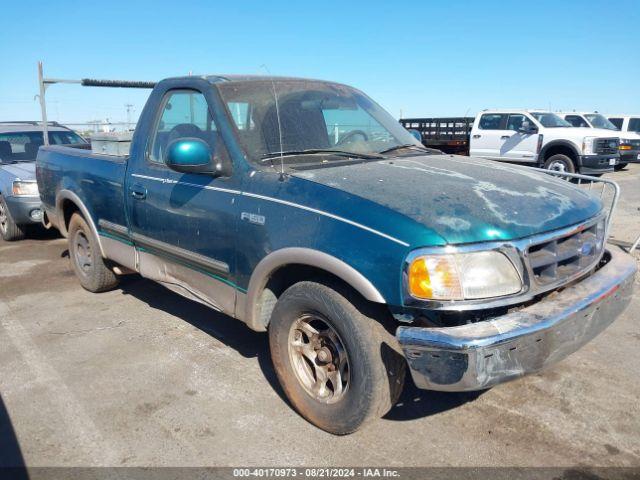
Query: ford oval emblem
<point x="612" y="145"/>
<point x="586" y="249"/>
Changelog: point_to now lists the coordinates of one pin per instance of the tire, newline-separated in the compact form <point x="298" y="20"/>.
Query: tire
<point x="9" y="230"/>
<point x="370" y="383"/>
<point x="619" y="167"/>
<point x="85" y="257"/>
<point x="560" y="163"/>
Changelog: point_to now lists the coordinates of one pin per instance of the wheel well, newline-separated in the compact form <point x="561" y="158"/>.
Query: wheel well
<point x="562" y="150"/>
<point x="68" y="209"/>
<point x="288" y="275"/>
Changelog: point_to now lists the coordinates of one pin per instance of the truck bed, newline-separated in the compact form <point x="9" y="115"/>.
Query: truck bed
<point x="89" y="176"/>
<point x="447" y="134"/>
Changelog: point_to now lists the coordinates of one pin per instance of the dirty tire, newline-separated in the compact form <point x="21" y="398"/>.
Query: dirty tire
<point x="9" y="230"/>
<point x="86" y="259"/>
<point x="376" y="367"/>
<point x="560" y="163"/>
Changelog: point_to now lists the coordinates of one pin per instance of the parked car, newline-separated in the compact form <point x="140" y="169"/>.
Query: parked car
<point x="19" y="199"/>
<point x="302" y="208"/>
<point x="532" y="137"/>
<point x="629" y="141"/>
<point x="626" y="123"/>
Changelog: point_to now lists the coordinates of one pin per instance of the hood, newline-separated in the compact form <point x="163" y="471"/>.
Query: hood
<point x="629" y="135"/>
<point x="603" y="132"/>
<point x="573" y="132"/>
<point x="22" y="171"/>
<point x="464" y="199"/>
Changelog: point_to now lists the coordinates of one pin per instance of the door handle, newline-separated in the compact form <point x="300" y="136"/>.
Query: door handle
<point x="505" y="137"/>
<point x="477" y="136"/>
<point x="138" y="192"/>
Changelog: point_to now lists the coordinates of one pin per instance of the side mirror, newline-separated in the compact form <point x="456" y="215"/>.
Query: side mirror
<point x="527" y="128"/>
<point x="416" y="134"/>
<point x="190" y="155"/>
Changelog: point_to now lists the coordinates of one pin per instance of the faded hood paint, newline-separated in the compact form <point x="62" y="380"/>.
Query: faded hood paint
<point x="464" y="199"/>
<point x="22" y="171"/>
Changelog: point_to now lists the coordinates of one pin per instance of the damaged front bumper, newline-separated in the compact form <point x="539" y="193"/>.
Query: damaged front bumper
<point x="479" y="355"/>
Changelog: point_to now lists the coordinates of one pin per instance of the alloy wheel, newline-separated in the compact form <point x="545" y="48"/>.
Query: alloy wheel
<point x="319" y="358"/>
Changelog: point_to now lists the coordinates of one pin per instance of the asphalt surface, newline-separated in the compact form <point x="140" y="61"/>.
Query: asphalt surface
<point x="142" y="377"/>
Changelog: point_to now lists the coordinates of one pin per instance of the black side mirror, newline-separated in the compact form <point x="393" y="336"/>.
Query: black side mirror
<point x="527" y="128"/>
<point x="191" y="155"/>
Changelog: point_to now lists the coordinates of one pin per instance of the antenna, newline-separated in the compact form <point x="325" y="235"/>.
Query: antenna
<point x="275" y="96"/>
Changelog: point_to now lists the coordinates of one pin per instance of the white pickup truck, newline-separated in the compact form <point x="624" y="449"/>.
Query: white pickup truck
<point x="543" y="139"/>
<point x="629" y="140"/>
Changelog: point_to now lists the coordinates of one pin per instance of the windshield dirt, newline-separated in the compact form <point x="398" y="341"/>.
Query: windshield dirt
<point x="315" y="118"/>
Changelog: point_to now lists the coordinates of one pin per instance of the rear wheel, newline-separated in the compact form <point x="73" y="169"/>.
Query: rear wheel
<point x="9" y="230"/>
<point x="86" y="259"/>
<point x="339" y="367"/>
<point x="560" y="163"/>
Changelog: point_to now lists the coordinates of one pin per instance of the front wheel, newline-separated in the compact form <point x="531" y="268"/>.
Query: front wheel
<point x="619" y="167"/>
<point x="560" y="163"/>
<point x="86" y="259"/>
<point x="339" y="367"/>
<point x="9" y="230"/>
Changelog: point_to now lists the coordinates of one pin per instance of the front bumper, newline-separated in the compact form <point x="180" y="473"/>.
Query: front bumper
<point x="629" y="156"/>
<point x="25" y="210"/>
<point x="597" y="163"/>
<point x="479" y="355"/>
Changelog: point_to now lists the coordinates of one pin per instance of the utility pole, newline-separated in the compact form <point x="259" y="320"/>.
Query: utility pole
<point x="129" y="106"/>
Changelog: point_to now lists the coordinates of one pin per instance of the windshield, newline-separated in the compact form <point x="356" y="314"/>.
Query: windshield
<point x="550" y="120"/>
<point x="23" y="146"/>
<point x="600" y="121"/>
<point x="314" y="117"/>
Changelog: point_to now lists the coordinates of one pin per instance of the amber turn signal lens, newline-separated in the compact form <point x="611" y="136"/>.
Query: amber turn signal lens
<point x="419" y="281"/>
<point x="435" y="277"/>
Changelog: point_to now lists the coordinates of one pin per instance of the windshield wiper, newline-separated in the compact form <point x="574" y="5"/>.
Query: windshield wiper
<point x="320" y="151"/>
<point x="406" y="145"/>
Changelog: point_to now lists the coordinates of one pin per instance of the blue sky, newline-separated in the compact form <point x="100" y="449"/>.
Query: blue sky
<point x="425" y="58"/>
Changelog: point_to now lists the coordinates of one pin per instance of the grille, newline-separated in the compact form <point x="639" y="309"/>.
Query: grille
<point x="564" y="258"/>
<point x="607" y="146"/>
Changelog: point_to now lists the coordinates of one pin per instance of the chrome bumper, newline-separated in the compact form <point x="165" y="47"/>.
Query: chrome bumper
<point x="482" y="354"/>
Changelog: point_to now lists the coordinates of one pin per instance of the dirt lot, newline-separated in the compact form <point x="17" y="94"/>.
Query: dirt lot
<point x="141" y="376"/>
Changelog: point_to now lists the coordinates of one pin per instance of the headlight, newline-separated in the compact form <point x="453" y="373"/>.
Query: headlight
<point x="625" y="144"/>
<point x="25" y="189"/>
<point x="462" y="276"/>
<point x="588" y="144"/>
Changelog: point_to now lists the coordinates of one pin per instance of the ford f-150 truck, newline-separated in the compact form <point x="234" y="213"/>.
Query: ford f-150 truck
<point x="302" y="208"/>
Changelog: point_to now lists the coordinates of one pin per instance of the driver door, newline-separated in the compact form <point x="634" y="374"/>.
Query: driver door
<point x="518" y="146"/>
<point x="182" y="223"/>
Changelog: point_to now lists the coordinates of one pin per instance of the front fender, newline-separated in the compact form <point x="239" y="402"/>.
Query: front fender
<point x="248" y="310"/>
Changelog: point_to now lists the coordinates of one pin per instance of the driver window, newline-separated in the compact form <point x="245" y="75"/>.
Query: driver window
<point x="515" y="121"/>
<point x="576" y="121"/>
<point x="184" y="115"/>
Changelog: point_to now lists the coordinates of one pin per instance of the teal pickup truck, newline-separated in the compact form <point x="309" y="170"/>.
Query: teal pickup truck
<point x="302" y="208"/>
